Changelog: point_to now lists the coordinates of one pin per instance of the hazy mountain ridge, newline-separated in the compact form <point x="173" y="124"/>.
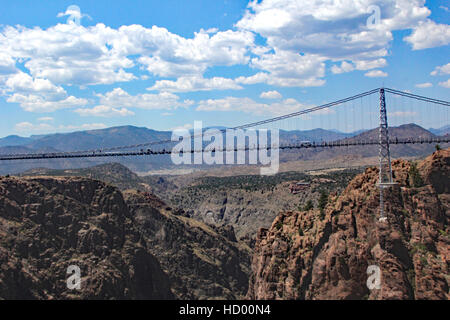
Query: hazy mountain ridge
<point x="128" y="135"/>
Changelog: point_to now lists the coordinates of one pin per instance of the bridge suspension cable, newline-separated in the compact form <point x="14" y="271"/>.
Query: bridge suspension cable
<point x="417" y="97"/>
<point x="334" y="144"/>
<point x="100" y="150"/>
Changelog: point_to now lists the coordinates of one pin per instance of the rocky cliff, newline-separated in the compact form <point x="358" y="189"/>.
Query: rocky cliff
<point x="49" y="224"/>
<point x="202" y="261"/>
<point x="309" y="255"/>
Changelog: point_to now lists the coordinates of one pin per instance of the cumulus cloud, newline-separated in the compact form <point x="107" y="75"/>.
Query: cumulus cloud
<point x="45" y="119"/>
<point x="39" y="95"/>
<point x="370" y="64"/>
<point x="186" y="126"/>
<point x="358" y="65"/>
<point x="69" y="54"/>
<point x="301" y="36"/>
<point x="248" y="105"/>
<point x="344" y="67"/>
<point x="333" y="29"/>
<point x="271" y="95"/>
<point x="376" y="74"/>
<point x="74" y="14"/>
<point x="118" y="98"/>
<point x="195" y="83"/>
<point x="288" y="69"/>
<point x="28" y="127"/>
<point x="85" y="126"/>
<point x="169" y="55"/>
<point x="104" y="111"/>
<point x="7" y="64"/>
<point x="429" y="34"/>
<point x="424" y="85"/>
<point x="72" y="54"/>
<point x="445" y="84"/>
<point x="441" y="70"/>
<point x="35" y="103"/>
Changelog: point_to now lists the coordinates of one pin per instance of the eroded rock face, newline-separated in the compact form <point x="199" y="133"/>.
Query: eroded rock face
<point x="48" y="224"/>
<point x="202" y="261"/>
<point x="306" y="256"/>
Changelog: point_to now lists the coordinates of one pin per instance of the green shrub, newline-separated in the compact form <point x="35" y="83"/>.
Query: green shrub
<point x="415" y="179"/>
<point x="279" y="225"/>
<point x="309" y="206"/>
<point x="322" y="203"/>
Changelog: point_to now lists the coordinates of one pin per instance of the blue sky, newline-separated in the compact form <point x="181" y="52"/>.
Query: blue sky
<point x="164" y="64"/>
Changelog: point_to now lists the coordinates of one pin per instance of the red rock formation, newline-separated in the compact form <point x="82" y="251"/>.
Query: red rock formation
<point x="306" y="256"/>
<point x="48" y="224"/>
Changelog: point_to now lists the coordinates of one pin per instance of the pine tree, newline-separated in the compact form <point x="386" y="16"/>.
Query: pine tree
<point x="323" y="200"/>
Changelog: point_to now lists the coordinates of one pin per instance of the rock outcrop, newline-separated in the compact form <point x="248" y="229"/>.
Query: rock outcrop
<point x="202" y="261"/>
<point x="49" y="224"/>
<point x="309" y="255"/>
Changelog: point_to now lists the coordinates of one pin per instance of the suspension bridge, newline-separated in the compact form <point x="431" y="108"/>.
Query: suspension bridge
<point x="151" y="148"/>
<point x="420" y="110"/>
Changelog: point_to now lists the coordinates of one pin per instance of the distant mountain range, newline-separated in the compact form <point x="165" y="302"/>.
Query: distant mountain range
<point x="86" y="140"/>
<point x="441" y="131"/>
<point x="130" y="135"/>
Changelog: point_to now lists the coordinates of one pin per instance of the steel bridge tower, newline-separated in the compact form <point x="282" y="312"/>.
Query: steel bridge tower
<point x="385" y="174"/>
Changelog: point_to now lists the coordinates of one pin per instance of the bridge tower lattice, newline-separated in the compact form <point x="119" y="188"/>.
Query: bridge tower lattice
<point x="385" y="174"/>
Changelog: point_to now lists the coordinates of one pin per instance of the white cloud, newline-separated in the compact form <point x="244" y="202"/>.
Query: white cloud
<point x="85" y="126"/>
<point x="45" y="119"/>
<point x="271" y="95"/>
<point x="187" y="126"/>
<point x="29" y="127"/>
<point x="248" y="105"/>
<point x="445" y="84"/>
<point x="169" y="55"/>
<point x="376" y="74"/>
<point x="71" y="54"/>
<point x="35" y="103"/>
<point x="104" y="111"/>
<point x="288" y="69"/>
<point x="344" y="67"/>
<point x="441" y="70"/>
<point x="370" y="64"/>
<point x="358" y="65"/>
<point x="195" y="83"/>
<point x="38" y="95"/>
<point x="24" y="83"/>
<point x="260" y="77"/>
<point x="336" y="30"/>
<point x="429" y="34"/>
<point x="118" y="98"/>
<point x="73" y="12"/>
<point x="7" y="64"/>
<point x="424" y="85"/>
